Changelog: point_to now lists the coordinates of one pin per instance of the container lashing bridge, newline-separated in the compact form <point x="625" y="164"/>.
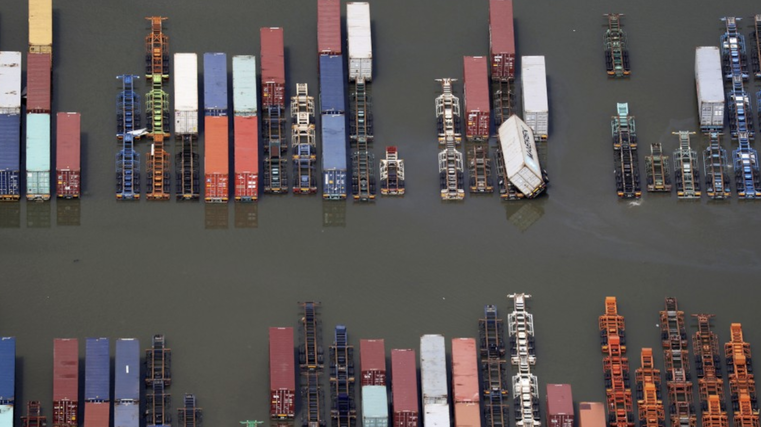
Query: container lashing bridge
<point x="303" y="141"/>
<point x="677" y="360"/>
<point x="363" y="185"/>
<point x="343" y="412"/>
<point x="493" y="368"/>
<point x="33" y="417"/>
<point x="733" y="52"/>
<point x="187" y="164"/>
<point x="687" y="176"/>
<point x="392" y="173"/>
<point x="755" y="52"/>
<point x="625" y="153"/>
<point x="705" y="345"/>
<point x="742" y="385"/>
<point x="616" y="53"/>
<point x="451" y="171"/>
<point x="311" y="365"/>
<point x="128" y="117"/>
<point x="157" y="71"/>
<point x="190" y="415"/>
<point x="615" y="366"/>
<point x="480" y="169"/>
<point x="520" y="327"/>
<point x="648" y="388"/>
<point x="275" y="175"/>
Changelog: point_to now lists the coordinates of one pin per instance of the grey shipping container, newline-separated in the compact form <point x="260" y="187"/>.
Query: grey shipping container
<point x="710" y="88"/>
<point x="215" y="84"/>
<point x="10" y="141"/>
<point x="433" y="370"/>
<point x="127" y="366"/>
<point x="374" y="406"/>
<point x="559" y="405"/>
<point x="97" y="369"/>
<point x="334" y="156"/>
<point x="332" y="98"/>
<point x="536" y="111"/>
<point x="7" y="370"/>
<point x="127" y="414"/>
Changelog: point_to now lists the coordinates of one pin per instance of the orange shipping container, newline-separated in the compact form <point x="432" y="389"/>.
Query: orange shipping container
<point x="246" y="158"/>
<point x="465" y="370"/>
<point x="467" y="414"/>
<point x="216" y="164"/>
<point x="592" y="414"/>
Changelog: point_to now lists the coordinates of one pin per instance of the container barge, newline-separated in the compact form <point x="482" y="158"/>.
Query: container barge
<point x="68" y="170"/>
<point x="246" y="129"/>
<point x="127" y="383"/>
<point x="311" y="365"/>
<point x="158" y="377"/>
<point x="536" y="110"/>
<point x="33" y="417"/>
<point x="715" y="167"/>
<point x="709" y="88"/>
<point x="502" y="58"/>
<point x="705" y="345"/>
<point x="216" y="128"/>
<point x="657" y="167"/>
<point x="560" y="411"/>
<point x="392" y="173"/>
<point x="328" y="27"/>
<point x="520" y="174"/>
<point x="404" y="388"/>
<point x="433" y="377"/>
<point x="343" y="412"/>
<point x="7" y="380"/>
<point x="687" y="174"/>
<point x="755" y="51"/>
<point x="676" y="355"/>
<point x="649" y="401"/>
<point x="520" y="327"/>
<point x="450" y="159"/>
<point x="734" y="56"/>
<point x="372" y="360"/>
<point x="10" y="125"/>
<point x="187" y="163"/>
<point x="616" y="366"/>
<point x="65" y="382"/>
<point x="493" y="368"/>
<point x="275" y="174"/>
<point x="127" y="131"/>
<point x="592" y="414"/>
<point x="41" y="26"/>
<point x="97" y="383"/>
<point x="465" y="373"/>
<point x="190" y="415"/>
<point x="282" y="375"/>
<point x="616" y="52"/>
<point x="625" y="153"/>
<point x="742" y="385"/>
<point x="157" y="110"/>
<point x="303" y="141"/>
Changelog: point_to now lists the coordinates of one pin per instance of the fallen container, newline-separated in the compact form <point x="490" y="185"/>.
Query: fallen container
<point x="7" y="380"/>
<point x="10" y="82"/>
<point x="559" y="405"/>
<point x="477" y="106"/>
<point x="360" y="41"/>
<point x="10" y="156"/>
<point x="40" y="25"/>
<point x="97" y="383"/>
<point x="245" y="129"/>
<point x="185" y="94"/>
<point x="404" y="388"/>
<point x="273" y="67"/>
<point x="216" y="165"/>
<point x="502" y="40"/>
<point x="710" y="88"/>
<point x="592" y="414"/>
<point x="521" y="161"/>
<point x="433" y="370"/>
<point x="68" y="170"/>
<point x="334" y="156"/>
<point x="38" y="77"/>
<point x="282" y="374"/>
<point x="372" y="357"/>
<point x="328" y="27"/>
<point x="38" y="156"/>
<point x="535" y="104"/>
<point x="332" y="95"/>
<point x="374" y="406"/>
<point x="127" y="383"/>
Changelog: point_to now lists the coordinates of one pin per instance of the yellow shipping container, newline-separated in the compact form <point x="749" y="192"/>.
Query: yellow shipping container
<point x="40" y="22"/>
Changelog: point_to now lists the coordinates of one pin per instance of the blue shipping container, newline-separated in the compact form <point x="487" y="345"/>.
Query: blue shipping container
<point x="10" y="143"/>
<point x="127" y="414"/>
<point x="127" y="366"/>
<point x="97" y="372"/>
<point x="332" y="96"/>
<point x="215" y="84"/>
<point x="334" y="156"/>
<point x="7" y="369"/>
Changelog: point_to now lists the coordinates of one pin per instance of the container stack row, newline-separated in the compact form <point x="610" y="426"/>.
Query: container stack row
<point x="65" y="382"/>
<point x="433" y="376"/>
<point x="127" y="383"/>
<point x="274" y="137"/>
<point x="10" y="125"/>
<point x="478" y="123"/>
<point x="7" y="381"/>
<point x="187" y="162"/>
<point x="374" y="394"/>
<point x="246" y="129"/>
<point x="282" y="375"/>
<point x="216" y="128"/>
<point x="158" y="376"/>
<point x="465" y="372"/>
<point x="38" y="86"/>
<point x="97" y="383"/>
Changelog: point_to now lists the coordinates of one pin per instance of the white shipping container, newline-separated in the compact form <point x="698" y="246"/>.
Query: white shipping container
<point x="374" y="406"/>
<point x="185" y="82"/>
<point x="521" y="160"/>
<point x="535" y="103"/>
<point x="244" y="85"/>
<point x="185" y="122"/>
<point x="10" y="82"/>
<point x="433" y="369"/>
<point x="360" y="41"/>
<point x="710" y="87"/>
<point x="436" y="415"/>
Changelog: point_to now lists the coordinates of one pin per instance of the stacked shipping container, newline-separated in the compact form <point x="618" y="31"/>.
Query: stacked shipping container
<point x="372" y="355"/>
<point x="186" y="125"/>
<point x="535" y="104"/>
<point x="7" y="380"/>
<point x="39" y="66"/>
<point x="467" y="407"/>
<point x="433" y="373"/>
<point x="216" y="123"/>
<point x="592" y="414"/>
<point x="559" y="405"/>
<point x="477" y="106"/>
<point x="97" y="383"/>
<point x="127" y="383"/>
<point x="65" y="382"/>
<point x="10" y="124"/>
<point x="360" y="41"/>
<point x="68" y="155"/>
<point x="275" y="140"/>
<point x="710" y="88"/>
<point x="404" y="388"/>
<point x="502" y="38"/>
<point x="282" y="374"/>
<point x="246" y="129"/>
<point x="41" y="26"/>
<point x="329" y="27"/>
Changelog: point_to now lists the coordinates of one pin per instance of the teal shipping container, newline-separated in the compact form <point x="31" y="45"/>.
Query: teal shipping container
<point x="374" y="406"/>
<point x="38" y="156"/>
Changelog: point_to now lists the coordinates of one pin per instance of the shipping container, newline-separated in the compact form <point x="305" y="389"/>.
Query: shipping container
<point x="97" y="369"/>
<point x="38" y="79"/>
<point x="334" y="156"/>
<point x="273" y="67"/>
<point x="332" y="95"/>
<point x="185" y="94"/>
<point x="127" y="414"/>
<point x="127" y="370"/>
<point x="10" y="156"/>
<point x="436" y="415"/>
<point x="501" y="40"/>
<point x="97" y="414"/>
<point x="215" y="84"/>
<point x="7" y="371"/>
<point x="372" y="358"/>
<point x="38" y="156"/>
<point x="68" y="171"/>
<point x="246" y="133"/>
<point x="282" y="373"/>
<point x="535" y="103"/>
<point x="10" y="82"/>
<point x="360" y="41"/>
<point x="477" y="106"/>
<point x="404" y="388"/>
<point x="467" y="414"/>
<point x="244" y="85"/>
<point x="710" y="88"/>
<point x="65" y="369"/>
<point x="216" y="158"/>
<point x="465" y="371"/>
<point x="433" y="369"/>
<point x="592" y="414"/>
<point x="329" y="27"/>
<point x="521" y="160"/>
<point x="374" y="406"/>
<point x="40" y="25"/>
<point x="559" y="405"/>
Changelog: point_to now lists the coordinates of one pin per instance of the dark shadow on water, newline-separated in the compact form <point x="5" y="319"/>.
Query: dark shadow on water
<point x="38" y="214"/>
<point x="246" y="215"/>
<point x="524" y="213"/>
<point x="333" y="213"/>
<point x="10" y="215"/>
<point x="68" y="213"/>
<point x="216" y="216"/>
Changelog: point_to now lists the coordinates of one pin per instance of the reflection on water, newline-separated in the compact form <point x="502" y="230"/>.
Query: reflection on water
<point x="333" y="213"/>
<point x="38" y="214"/>
<point x="524" y="213"/>
<point x="216" y="216"/>
<point x="10" y="215"/>
<point x="68" y="212"/>
<point x="246" y="215"/>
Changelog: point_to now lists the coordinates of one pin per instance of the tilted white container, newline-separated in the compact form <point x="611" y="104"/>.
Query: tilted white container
<point x="536" y="110"/>
<point x="710" y="88"/>
<point x="10" y="82"/>
<point x="360" y="41"/>
<point x="433" y="369"/>
<point x="185" y="93"/>
<point x="521" y="159"/>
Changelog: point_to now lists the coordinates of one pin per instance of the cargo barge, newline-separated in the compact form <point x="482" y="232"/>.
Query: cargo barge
<point x="493" y="368"/>
<point x="616" y="52"/>
<point x="245" y="129"/>
<point x="520" y="328"/>
<point x="187" y="163"/>
<point x="676" y="355"/>
<point x="616" y="366"/>
<point x="518" y="168"/>
<point x="97" y="383"/>
<point x="343" y="411"/>
<point x="433" y="377"/>
<point x="282" y="375"/>
<point x="625" y="153"/>
<point x="705" y="345"/>
<point x="127" y="383"/>
<point x="755" y="51"/>
<point x="372" y="360"/>
<point x="157" y="110"/>
<point x="501" y="58"/>
<point x="734" y="58"/>
<point x="715" y="168"/>
<point x="33" y="417"/>
<point x="190" y="415"/>
<point x="303" y="141"/>
<point x="392" y="173"/>
<point x="10" y="125"/>
<point x="216" y="128"/>
<point x="657" y="167"/>
<point x="68" y="170"/>
<point x="742" y="385"/>
<point x="648" y="386"/>
<point x="311" y="365"/>
<point x="65" y="382"/>
<point x="687" y="174"/>
<point x="158" y="377"/>
<point x="404" y="388"/>
<point x="127" y="124"/>
<point x="536" y="109"/>
<point x="560" y="411"/>
<point x="7" y="380"/>
<point x="450" y="159"/>
<point x="709" y="88"/>
<point x="467" y="402"/>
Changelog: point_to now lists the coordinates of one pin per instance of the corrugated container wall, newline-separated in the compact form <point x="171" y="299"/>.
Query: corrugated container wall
<point x="40" y="25"/>
<point x="329" y="27"/>
<point x="126" y="414"/>
<point x="360" y="41"/>
<point x="68" y="177"/>
<point x="216" y="165"/>
<point x="185" y="94"/>
<point x="404" y="388"/>
<point x="66" y="369"/>
<point x="244" y="85"/>
<point x="334" y="155"/>
<point x="521" y="160"/>
<point x="215" y="84"/>
<point x="97" y="369"/>
<point x="710" y="88"/>
<point x="332" y="97"/>
<point x="10" y="82"/>
<point x="559" y="405"/>
<point x="10" y="154"/>
<point x="7" y="370"/>
<point x="372" y="357"/>
<point x="535" y="103"/>
<point x="38" y="156"/>
<point x="38" y="79"/>
<point x="245" y="128"/>
<point x="592" y="414"/>
<point x="273" y="67"/>
<point x="433" y="369"/>
<point x="127" y="370"/>
<point x="282" y="373"/>
<point x="465" y="370"/>
<point x="477" y="106"/>
<point x="97" y="414"/>
<point x="436" y="415"/>
<point x="374" y="406"/>
<point x="467" y="414"/>
<point x="502" y="40"/>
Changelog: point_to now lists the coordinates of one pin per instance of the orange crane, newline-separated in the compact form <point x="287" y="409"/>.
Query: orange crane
<point x="615" y="366"/>
<point x="677" y="358"/>
<point x="742" y="385"/>
<point x="705" y="344"/>
<point x="649" y="403"/>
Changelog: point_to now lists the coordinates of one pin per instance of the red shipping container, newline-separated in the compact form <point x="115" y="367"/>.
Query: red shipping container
<point x="467" y="414"/>
<point x="38" y="77"/>
<point x="67" y="155"/>
<point x="502" y="36"/>
<point x="216" y="163"/>
<point x="97" y="414"/>
<point x="282" y="374"/>
<point x="465" y="370"/>
<point x="476" y="97"/>
<point x="65" y="369"/>
<point x="372" y="358"/>
<point x="559" y="405"/>
<point x="404" y="388"/>
<point x="329" y="27"/>
<point x="592" y="414"/>
<point x="246" y="132"/>
<point x="273" y="67"/>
